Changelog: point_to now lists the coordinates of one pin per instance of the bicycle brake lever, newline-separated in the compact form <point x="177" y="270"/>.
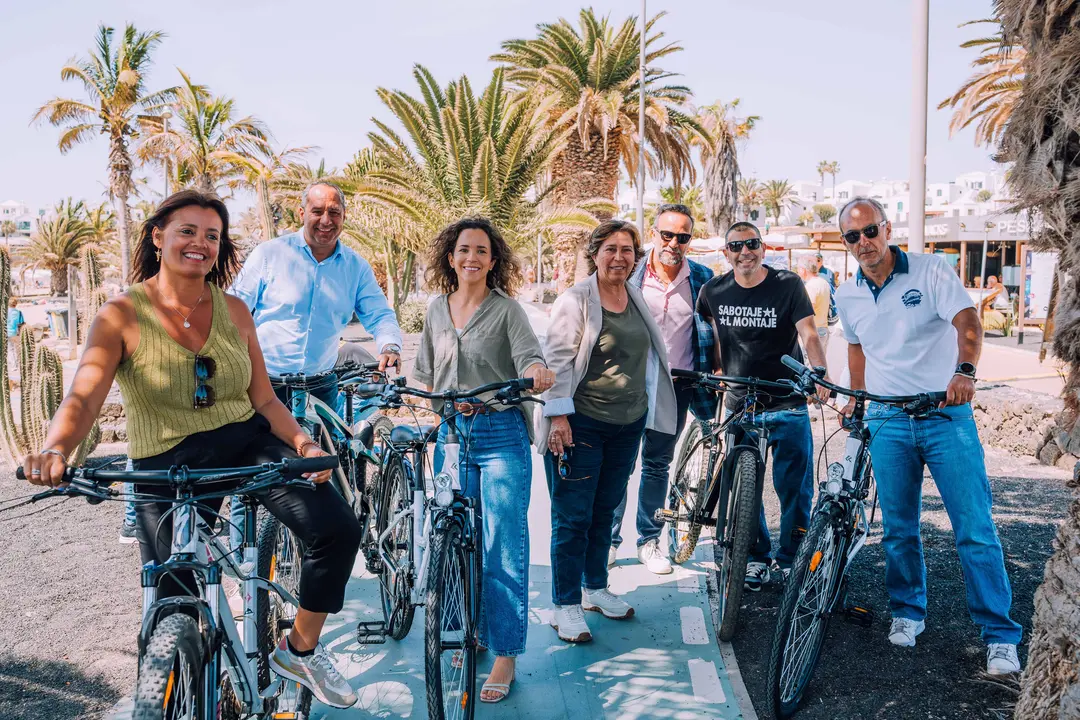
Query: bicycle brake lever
<point x="301" y="483"/>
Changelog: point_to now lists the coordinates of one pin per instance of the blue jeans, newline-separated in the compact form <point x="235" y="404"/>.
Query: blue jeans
<point x="129" y="506"/>
<point x="583" y="504"/>
<point x="657" y="452"/>
<point x="950" y="448"/>
<point x="496" y="468"/>
<point x="328" y="395"/>
<point x="792" y="446"/>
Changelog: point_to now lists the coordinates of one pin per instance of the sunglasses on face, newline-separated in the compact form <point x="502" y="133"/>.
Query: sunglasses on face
<point x="205" y="367"/>
<point x="668" y="236"/>
<point x="736" y="246"/>
<point x="564" y="463"/>
<point x="870" y="231"/>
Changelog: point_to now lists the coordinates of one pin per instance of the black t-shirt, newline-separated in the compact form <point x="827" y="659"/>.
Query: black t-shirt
<point x="755" y="327"/>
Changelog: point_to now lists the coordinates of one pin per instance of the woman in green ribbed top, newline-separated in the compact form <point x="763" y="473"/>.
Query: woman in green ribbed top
<point x="196" y="393"/>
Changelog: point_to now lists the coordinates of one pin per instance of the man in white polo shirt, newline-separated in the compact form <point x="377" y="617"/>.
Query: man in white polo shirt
<point x="912" y="328"/>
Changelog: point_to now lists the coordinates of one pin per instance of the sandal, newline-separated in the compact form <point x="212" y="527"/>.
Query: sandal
<point x="501" y="689"/>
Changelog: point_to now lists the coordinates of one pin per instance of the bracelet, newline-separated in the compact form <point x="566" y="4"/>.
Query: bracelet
<point x="301" y="446"/>
<point x="969" y="376"/>
<point x="57" y="453"/>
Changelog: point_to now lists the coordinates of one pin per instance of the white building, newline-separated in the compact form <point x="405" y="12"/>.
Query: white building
<point x="19" y="212"/>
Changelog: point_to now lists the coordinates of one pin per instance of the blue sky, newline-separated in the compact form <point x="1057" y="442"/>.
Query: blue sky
<point x="831" y="78"/>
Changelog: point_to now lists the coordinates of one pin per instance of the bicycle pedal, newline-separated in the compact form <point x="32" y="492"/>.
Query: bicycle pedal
<point x="272" y="690"/>
<point x="663" y="515"/>
<point x="859" y="615"/>
<point x="371" y="633"/>
<point x="287" y="716"/>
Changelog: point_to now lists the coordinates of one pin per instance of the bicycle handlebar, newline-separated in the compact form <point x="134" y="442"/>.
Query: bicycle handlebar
<point x="287" y="468"/>
<point x="750" y="382"/>
<point x="317" y="380"/>
<point x="514" y="387"/>
<point x="808" y="375"/>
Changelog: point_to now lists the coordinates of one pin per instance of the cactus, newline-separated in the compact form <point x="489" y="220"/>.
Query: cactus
<point x="92" y="292"/>
<point x="42" y="387"/>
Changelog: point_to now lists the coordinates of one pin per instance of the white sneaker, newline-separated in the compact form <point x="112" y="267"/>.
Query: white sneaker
<point x="569" y="622"/>
<point x="903" y="631"/>
<point x="315" y="672"/>
<point x="603" y="601"/>
<point x="611" y="553"/>
<point x="650" y="556"/>
<point x="1001" y="659"/>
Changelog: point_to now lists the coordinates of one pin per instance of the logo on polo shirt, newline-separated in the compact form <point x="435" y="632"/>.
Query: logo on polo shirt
<point x="912" y="298"/>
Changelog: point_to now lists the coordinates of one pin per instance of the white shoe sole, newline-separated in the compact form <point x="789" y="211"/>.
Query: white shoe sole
<point x="579" y="638"/>
<point x="1001" y="671"/>
<point x="905" y="643"/>
<point x="589" y="607"/>
<point x="284" y="672"/>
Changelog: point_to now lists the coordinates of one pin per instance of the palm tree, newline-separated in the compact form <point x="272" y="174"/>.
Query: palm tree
<point x="461" y="155"/>
<point x="257" y="172"/>
<point x="719" y="158"/>
<point x="287" y="188"/>
<point x="777" y="194"/>
<point x="591" y="74"/>
<point x="691" y="198"/>
<point x="206" y="145"/>
<point x="114" y="80"/>
<point x="58" y="243"/>
<point x="1040" y="140"/>
<point x="830" y="168"/>
<point x="7" y="229"/>
<point x="750" y="196"/>
<point x="822" y="171"/>
<point x="990" y="94"/>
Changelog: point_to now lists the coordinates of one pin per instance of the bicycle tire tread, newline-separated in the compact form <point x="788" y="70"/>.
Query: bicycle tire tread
<point x="175" y="634"/>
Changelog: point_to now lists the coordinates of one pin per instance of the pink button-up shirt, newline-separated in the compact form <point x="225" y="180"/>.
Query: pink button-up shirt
<point x="672" y="308"/>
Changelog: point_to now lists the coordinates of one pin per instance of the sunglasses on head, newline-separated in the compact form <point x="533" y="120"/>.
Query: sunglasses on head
<point x="870" y="231"/>
<point x="736" y="246"/>
<point x="668" y="236"/>
<point x="205" y="367"/>
<point x="564" y="463"/>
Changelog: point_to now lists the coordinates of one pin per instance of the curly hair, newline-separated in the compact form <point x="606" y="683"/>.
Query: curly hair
<point x="603" y="232"/>
<point x="145" y="264"/>
<point x="505" y="275"/>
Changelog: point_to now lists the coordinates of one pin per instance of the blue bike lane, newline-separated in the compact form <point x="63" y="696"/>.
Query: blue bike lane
<point x="664" y="662"/>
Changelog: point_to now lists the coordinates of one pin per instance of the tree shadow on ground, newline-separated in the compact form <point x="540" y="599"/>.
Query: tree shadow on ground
<point x="36" y="689"/>
<point x="860" y="675"/>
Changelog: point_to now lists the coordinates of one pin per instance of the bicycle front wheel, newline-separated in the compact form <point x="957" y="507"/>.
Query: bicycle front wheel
<point x="395" y="589"/>
<point x="171" y="672"/>
<point x="450" y="628"/>
<point x="804" y="613"/>
<point x="687" y="496"/>
<point x="742" y="528"/>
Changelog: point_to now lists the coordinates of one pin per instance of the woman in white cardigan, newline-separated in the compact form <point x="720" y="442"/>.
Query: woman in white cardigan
<point x="610" y="361"/>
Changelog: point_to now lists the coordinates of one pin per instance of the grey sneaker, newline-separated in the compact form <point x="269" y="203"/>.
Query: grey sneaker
<point x="127" y="533"/>
<point x="1001" y="659"/>
<point x="316" y="673"/>
<point x="903" y="631"/>
<point x="757" y="575"/>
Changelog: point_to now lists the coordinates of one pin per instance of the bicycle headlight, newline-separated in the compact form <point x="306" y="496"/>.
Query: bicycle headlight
<point x="444" y="493"/>
<point x="835" y="479"/>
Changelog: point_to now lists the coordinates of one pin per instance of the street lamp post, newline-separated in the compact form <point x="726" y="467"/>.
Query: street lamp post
<point x="165" y="115"/>
<point x="917" y="162"/>
<point x="641" y="130"/>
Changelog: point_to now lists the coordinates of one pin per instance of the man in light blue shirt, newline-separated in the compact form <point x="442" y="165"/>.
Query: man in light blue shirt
<point x="303" y="288"/>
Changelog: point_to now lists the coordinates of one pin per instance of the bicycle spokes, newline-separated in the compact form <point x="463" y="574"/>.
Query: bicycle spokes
<point x="808" y="621"/>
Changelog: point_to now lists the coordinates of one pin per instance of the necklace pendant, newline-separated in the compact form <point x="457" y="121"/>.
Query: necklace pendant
<point x="187" y="324"/>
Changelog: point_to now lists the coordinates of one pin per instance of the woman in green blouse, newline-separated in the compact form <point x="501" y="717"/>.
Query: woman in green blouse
<point x="476" y="333"/>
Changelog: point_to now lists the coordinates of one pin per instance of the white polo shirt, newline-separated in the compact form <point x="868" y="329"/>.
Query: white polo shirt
<point x="905" y="326"/>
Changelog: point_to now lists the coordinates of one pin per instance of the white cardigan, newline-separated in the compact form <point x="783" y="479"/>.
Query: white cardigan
<point x="576" y="320"/>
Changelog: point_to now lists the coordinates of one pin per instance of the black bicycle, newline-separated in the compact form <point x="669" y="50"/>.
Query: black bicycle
<point x="193" y="662"/>
<point x="838" y="530"/>
<point x="426" y="542"/>
<point x="722" y="465"/>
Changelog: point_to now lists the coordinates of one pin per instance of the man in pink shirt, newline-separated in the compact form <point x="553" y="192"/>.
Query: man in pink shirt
<point x="670" y="283"/>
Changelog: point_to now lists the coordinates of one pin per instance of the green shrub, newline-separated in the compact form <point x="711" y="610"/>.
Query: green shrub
<point x="411" y="316"/>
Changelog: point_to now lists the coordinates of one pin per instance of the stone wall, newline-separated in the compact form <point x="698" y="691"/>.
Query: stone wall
<point x="1023" y="422"/>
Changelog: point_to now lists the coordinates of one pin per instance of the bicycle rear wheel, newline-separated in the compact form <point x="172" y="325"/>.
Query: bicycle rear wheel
<point x="742" y="528"/>
<point x="450" y="628"/>
<point x="171" y="672"/>
<point x="395" y="590"/>
<point x="280" y="557"/>
<point x="687" y="495"/>
<point x="804" y="613"/>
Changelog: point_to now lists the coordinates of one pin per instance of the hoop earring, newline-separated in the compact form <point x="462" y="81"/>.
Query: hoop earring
<point x="157" y="254"/>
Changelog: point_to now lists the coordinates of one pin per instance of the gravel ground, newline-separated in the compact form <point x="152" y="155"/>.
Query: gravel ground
<point x="860" y="675"/>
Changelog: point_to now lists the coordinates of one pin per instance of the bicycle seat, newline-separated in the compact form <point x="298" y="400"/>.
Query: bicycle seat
<point x="410" y="435"/>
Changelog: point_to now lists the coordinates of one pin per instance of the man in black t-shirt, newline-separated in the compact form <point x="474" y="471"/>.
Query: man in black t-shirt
<point x="759" y="314"/>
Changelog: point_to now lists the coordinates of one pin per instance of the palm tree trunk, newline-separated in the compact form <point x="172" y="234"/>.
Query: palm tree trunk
<point x="721" y="194"/>
<point x="120" y="186"/>
<point x="579" y="175"/>
<point x="265" y="210"/>
<point x="58" y="282"/>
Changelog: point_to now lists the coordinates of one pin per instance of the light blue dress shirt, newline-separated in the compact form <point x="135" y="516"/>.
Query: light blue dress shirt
<point x="301" y="306"/>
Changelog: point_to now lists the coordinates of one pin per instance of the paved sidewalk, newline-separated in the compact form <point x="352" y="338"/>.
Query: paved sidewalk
<point x="663" y="663"/>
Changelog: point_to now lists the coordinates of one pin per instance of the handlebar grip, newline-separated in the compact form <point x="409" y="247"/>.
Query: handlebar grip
<point x="369" y="389"/>
<point x="299" y="466"/>
<point x="689" y="374"/>
<point x="69" y="473"/>
<point x="526" y="383"/>
<point x="793" y="364"/>
<point x="19" y="474"/>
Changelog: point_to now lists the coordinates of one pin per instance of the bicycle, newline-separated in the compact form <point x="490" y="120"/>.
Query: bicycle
<point x="194" y="664"/>
<point x="837" y="532"/>
<point x="427" y="544"/>
<point x="722" y="465"/>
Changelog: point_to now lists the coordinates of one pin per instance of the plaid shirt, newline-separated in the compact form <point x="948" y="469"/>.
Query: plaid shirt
<point x="703" y="403"/>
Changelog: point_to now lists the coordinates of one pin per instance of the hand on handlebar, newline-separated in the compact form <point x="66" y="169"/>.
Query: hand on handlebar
<point x="961" y="391"/>
<point x="389" y="360"/>
<point x="822" y="392"/>
<point x="316" y="451"/>
<point x="846" y="412"/>
<point x="542" y="378"/>
<point x="46" y="469"/>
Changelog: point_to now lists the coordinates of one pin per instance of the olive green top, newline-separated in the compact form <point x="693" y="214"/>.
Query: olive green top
<point x="496" y="344"/>
<point x="613" y="389"/>
<point x="158" y="381"/>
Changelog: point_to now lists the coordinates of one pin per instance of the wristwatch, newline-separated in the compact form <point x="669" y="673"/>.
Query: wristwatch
<point x="391" y="348"/>
<point x="966" y="369"/>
